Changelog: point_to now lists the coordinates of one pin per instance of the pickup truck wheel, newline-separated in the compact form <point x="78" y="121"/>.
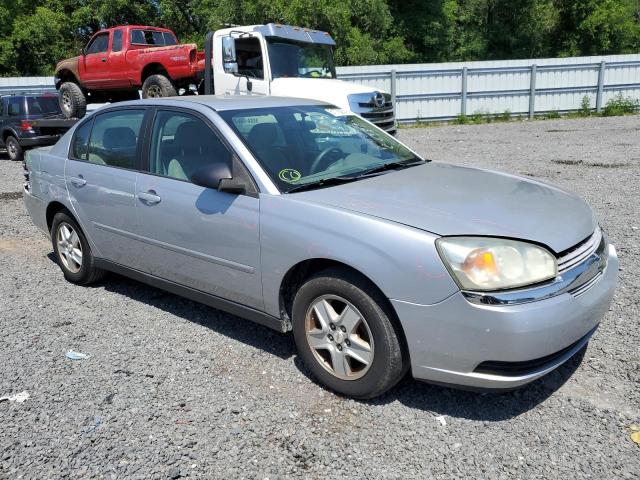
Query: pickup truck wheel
<point x="72" y="251"/>
<point x="72" y="99"/>
<point x="157" y="86"/>
<point x="345" y="335"/>
<point x="14" y="150"/>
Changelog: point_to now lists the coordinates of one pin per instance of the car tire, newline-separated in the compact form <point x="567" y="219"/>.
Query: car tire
<point x="69" y="246"/>
<point x="158" y="86"/>
<point x="72" y="100"/>
<point x="14" y="150"/>
<point x="370" y="334"/>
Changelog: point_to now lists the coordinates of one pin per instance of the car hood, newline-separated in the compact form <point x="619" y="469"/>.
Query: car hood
<point x="451" y="200"/>
<point x="329" y="90"/>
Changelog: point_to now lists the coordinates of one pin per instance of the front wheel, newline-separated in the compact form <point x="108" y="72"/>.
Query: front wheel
<point x="72" y="100"/>
<point x="345" y="335"/>
<point x="157" y="86"/>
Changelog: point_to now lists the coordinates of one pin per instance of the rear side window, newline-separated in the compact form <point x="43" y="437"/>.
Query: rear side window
<point x="117" y="41"/>
<point x="152" y="37"/>
<point x="99" y="44"/>
<point x="80" y="141"/>
<point x="15" y="107"/>
<point x="114" y="138"/>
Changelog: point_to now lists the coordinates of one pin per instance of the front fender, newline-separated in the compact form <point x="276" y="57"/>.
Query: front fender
<point x="402" y="261"/>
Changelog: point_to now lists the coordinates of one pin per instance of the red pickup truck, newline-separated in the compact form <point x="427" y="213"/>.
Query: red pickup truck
<point x="118" y="62"/>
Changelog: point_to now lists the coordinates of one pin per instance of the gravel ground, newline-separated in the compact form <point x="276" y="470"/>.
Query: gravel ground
<point x="173" y="388"/>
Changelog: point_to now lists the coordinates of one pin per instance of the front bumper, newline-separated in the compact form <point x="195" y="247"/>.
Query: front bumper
<point x="449" y="341"/>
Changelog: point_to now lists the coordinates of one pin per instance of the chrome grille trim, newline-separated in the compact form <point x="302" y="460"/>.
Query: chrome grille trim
<point x="384" y="117"/>
<point x="580" y="252"/>
<point x="583" y="288"/>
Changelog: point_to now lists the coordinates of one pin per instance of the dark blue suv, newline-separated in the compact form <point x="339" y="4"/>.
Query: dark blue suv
<point x="30" y="121"/>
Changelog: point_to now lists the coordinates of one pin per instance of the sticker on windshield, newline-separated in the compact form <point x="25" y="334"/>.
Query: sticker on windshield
<point x="338" y="112"/>
<point x="289" y="175"/>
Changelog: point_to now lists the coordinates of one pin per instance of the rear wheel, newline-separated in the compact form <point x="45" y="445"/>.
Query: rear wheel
<point x="345" y="335"/>
<point x="157" y="86"/>
<point x="14" y="150"/>
<point x="72" y="251"/>
<point x="72" y="99"/>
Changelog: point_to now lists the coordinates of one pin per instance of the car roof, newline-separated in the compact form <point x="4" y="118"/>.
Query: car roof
<point x="240" y="102"/>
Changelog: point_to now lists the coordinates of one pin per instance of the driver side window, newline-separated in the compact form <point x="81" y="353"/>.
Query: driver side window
<point x="249" y="57"/>
<point x="99" y="44"/>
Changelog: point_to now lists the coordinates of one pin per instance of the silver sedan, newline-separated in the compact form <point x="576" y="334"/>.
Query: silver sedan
<point x="302" y="217"/>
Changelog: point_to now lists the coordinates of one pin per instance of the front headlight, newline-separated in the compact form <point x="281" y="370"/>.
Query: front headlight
<point x="485" y="264"/>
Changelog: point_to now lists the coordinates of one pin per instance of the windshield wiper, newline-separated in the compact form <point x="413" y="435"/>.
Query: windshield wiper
<point x="391" y="166"/>
<point x="325" y="182"/>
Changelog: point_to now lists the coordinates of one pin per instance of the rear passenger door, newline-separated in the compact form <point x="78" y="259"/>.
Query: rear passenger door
<point x="101" y="181"/>
<point x="197" y="237"/>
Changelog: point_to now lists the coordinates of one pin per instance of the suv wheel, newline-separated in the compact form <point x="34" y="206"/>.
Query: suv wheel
<point x="345" y="335"/>
<point x="14" y="150"/>
<point x="72" y="99"/>
<point x="72" y="251"/>
<point x="157" y="86"/>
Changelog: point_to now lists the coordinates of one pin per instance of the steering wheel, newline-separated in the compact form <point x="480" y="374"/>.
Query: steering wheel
<point x="324" y="157"/>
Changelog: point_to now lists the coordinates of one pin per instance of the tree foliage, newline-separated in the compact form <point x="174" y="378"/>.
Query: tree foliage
<point x="34" y="34"/>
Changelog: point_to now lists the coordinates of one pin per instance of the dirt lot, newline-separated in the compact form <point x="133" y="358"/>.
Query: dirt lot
<point x="173" y="388"/>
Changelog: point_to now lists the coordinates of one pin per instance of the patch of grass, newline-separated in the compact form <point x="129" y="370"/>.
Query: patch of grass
<point x="552" y="115"/>
<point x="620" y="105"/>
<point x="585" y="107"/>
<point x="503" y="117"/>
<point x="462" y="120"/>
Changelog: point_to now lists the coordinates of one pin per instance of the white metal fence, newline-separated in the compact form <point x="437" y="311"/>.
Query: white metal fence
<point x="443" y="91"/>
<point x="427" y="92"/>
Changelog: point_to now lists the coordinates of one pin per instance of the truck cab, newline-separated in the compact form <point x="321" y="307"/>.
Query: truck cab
<point x="282" y="60"/>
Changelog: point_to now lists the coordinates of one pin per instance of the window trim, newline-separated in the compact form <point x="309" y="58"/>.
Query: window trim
<point x="237" y="165"/>
<point x="138" y="162"/>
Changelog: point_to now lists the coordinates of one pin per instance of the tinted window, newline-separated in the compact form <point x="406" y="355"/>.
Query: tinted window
<point x="152" y="37"/>
<point x="81" y="141"/>
<point x="16" y="106"/>
<point x="181" y="144"/>
<point x="99" y="44"/>
<point x="117" y="41"/>
<point x="249" y="56"/>
<point x="43" y="105"/>
<point x="114" y="138"/>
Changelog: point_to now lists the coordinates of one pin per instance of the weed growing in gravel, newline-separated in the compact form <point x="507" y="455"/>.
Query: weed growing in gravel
<point x="620" y="105"/>
<point x="585" y="107"/>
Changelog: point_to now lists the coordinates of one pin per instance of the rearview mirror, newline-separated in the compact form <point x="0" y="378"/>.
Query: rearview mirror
<point x="218" y="176"/>
<point x="229" y="61"/>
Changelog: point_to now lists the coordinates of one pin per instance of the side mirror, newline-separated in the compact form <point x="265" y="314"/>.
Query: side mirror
<point x="218" y="176"/>
<point x="83" y="51"/>
<point x="229" y="61"/>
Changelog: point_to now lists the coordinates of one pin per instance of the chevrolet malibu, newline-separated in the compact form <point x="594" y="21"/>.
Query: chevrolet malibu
<point x="304" y="218"/>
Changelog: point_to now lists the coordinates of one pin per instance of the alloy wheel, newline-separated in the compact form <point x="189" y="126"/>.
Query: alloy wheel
<point x="12" y="149"/>
<point x="69" y="247"/>
<point x="339" y="337"/>
<point x="154" y="91"/>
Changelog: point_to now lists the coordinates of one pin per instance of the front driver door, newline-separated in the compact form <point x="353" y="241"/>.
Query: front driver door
<point x="197" y="237"/>
<point x="95" y="62"/>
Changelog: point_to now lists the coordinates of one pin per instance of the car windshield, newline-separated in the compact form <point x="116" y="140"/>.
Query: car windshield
<point x="300" y="59"/>
<point x="306" y="147"/>
<point x="43" y="105"/>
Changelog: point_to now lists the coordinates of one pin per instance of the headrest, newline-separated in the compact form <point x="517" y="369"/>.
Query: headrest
<point x="191" y="135"/>
<point x="119" y="137"/>
<point x="263" y="135"/>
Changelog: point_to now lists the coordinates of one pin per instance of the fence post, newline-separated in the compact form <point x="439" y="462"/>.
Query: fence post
<point x="463" y="106"/>
<point x="393" y="91"/>
<point x="532" y="92"/>
<point x="603" y="68"/>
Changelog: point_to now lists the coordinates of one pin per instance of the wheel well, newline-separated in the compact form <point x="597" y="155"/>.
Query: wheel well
<point x="300" y="272"/>
<point x="6" y="134"/>
<point x="66" y="76"/>
<point x="153" y="69"/>
<point x="52" y="209"/>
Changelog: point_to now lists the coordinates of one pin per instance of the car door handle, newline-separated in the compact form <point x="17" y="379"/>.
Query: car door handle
<point x="78" y="181"/>
<point x="103" y="59"/>
<point x="150" y="197"/>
